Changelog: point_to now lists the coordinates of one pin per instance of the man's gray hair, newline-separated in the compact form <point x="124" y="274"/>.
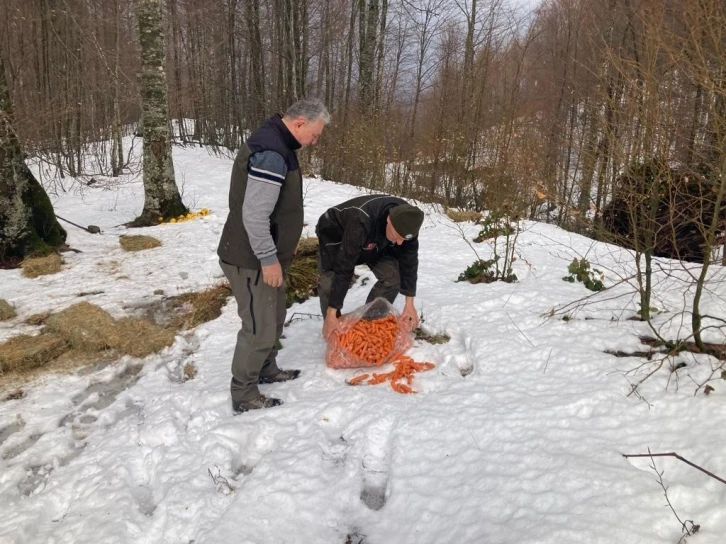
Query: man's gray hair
<point x="311" y="109"/>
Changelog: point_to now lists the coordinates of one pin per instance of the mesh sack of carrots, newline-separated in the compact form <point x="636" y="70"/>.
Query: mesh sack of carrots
<point x="372" y="335"/>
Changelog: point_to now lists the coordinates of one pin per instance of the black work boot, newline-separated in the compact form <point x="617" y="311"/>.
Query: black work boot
<point x="282" y="376"/>
<point x="255" y="404"/>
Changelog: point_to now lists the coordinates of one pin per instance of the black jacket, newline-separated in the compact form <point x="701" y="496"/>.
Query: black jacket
<point x="353" y="233"/>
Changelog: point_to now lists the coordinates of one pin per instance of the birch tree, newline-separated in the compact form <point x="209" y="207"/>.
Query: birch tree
<point x="161" y="195"/>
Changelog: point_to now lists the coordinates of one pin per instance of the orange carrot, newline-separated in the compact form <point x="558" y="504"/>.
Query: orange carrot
<point x="357" y="379"/>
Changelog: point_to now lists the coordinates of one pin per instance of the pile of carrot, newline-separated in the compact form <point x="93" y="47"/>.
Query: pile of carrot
<point x="366" y="343"/>
<point x="373" y="342"/>
<point x="403" y="371"/>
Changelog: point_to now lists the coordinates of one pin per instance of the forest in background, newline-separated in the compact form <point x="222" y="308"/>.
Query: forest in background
<point x="470" y="103"/>
<point x="607" y="118"/>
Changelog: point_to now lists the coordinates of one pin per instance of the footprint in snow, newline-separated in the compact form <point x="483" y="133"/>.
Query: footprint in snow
<point x="106" y="393"/>
<point x="13" y="428"/>
<point x="17" y="449"/>
<point x="461" y="357"/>
<point x="331" y="421"/>
<point x="335" y="452"/>
<point x="376" y="462"/>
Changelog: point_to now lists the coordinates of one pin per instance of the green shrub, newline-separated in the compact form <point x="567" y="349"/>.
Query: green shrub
<point x="579" y="270"/>
<point x="477" y="272"/>
<point x="494" y="226"/>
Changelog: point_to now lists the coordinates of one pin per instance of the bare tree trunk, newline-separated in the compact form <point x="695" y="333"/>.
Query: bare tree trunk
<point x="324" y="53"/>
<point x="177" y="107"/>
<point x="588" y="160"/>
<point x="117" y="146"/>
<point x="367" y="27"/>
<point x="233" y="74"/>
<point x="301" y="35"/>
<point x="259" y="106"/>
<point x="380" y="55"/>
<point x="161" y="195"/>
<point x="27" y="221"/>
<point x="349" y="59"/>
<point x="603" y="152"/>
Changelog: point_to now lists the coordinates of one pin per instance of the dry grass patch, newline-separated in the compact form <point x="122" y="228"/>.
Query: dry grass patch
<point x="85" y="326"/>
<point x="7" y="311"/>
<point x="302" y="276"/>
<point x="67" y="362"/>
<point x="137" y="242"/>
<point x="308" y="246"/>
<point x="192" y="309"/>
<point x="139" y="338"/>
<point x="461" y="216"/>
<point x="41" y="266"/>
<point x="84" y="334"/>
<point x="88" y="328"/>
<point x="23" y="352"/>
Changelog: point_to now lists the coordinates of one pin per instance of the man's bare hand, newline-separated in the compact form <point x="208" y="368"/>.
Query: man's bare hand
<point x="330" y="324"/>
<point x="409" y="315"/>
<point x="272" y="274"/>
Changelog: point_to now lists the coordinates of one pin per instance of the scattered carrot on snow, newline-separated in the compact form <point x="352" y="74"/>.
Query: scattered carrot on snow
<point x="404" y="369"/>
<point x="357" y="379"/>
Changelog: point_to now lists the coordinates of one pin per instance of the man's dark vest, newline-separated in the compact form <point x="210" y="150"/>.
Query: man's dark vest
<point x="286" y="221"/>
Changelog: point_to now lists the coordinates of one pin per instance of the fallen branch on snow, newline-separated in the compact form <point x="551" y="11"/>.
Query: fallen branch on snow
<point x="673" y="454"/>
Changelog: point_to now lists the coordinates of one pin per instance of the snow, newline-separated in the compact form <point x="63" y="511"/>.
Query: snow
<point x="515" y="437"/>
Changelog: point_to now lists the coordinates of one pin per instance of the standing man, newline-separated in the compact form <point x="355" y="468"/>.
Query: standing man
<point x="258" y="242"/>
<point x="380" y="231"/>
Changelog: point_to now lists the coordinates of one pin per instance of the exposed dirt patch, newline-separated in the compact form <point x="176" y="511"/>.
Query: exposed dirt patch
<point x="189" y="310"/>
<point x="37" y="319"/>
<point x="189" y="372"/>
<point x="646" y="354"/>
<point x="439" y="338"/>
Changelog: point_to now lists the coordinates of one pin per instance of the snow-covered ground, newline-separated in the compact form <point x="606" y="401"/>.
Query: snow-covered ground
<point x="515" y="437"/>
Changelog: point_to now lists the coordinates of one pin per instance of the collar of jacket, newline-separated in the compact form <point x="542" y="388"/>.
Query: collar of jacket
<point x="380" y="232"/>
<point x="290" y="140"/>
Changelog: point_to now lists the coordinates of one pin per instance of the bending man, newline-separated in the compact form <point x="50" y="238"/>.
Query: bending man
<point x="379" y="231"/>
